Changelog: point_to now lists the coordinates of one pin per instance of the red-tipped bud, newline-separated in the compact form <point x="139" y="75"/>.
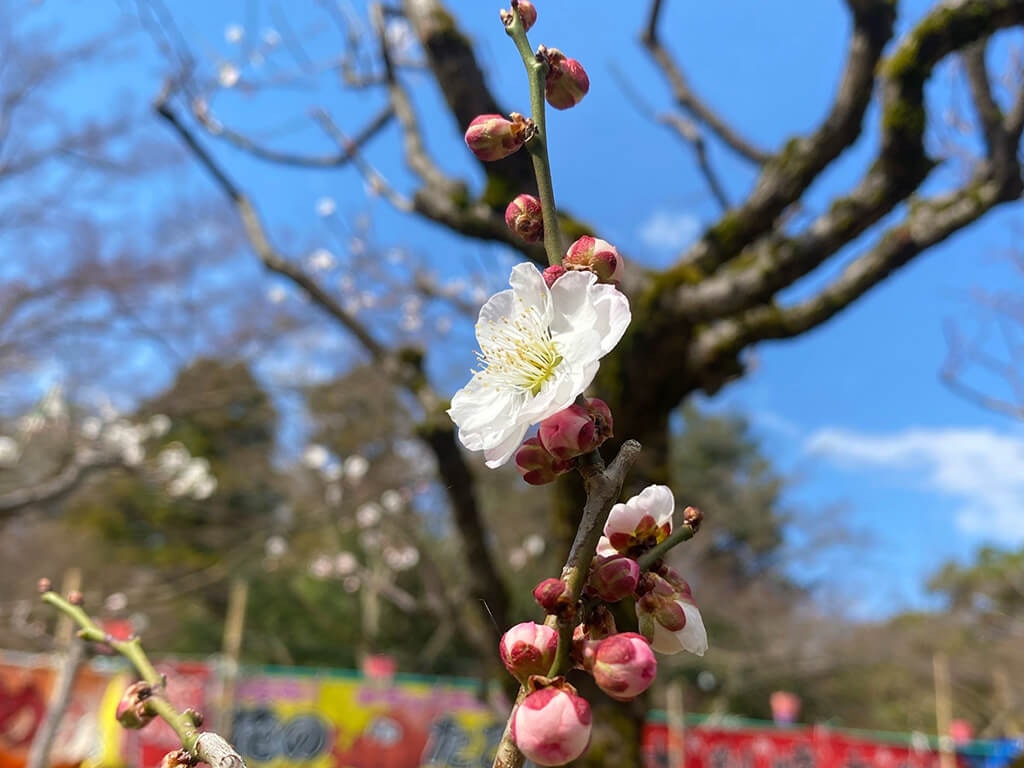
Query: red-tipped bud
<point x="493" y="137"/>
<point x="552" y="273"/>
<point x="596" y="255"/>
<point x="614" y="578"/>
<point x="576" y="430"/>
<point x="524" y="217"/>
<point x="132" y="710"/>
<point x="624" y="666"/>
<point x="527" y="12"/>
<point x="536" y="464"/>
<point x="551" y="726"/>
<point x="567" y="82"/>
<point x="554" y="596"/>
<point x="528" y="649"/>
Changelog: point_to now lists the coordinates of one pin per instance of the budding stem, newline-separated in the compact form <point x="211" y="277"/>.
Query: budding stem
<point x="182" y="723"/>
<point x="536" y="70"/>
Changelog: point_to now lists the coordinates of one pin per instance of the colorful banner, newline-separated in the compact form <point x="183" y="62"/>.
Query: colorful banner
<point x="25" y="686"/>
<point x="710" y="747"/>
<point x="301" y="719"/>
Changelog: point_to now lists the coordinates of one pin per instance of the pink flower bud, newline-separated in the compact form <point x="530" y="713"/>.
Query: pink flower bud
<point x="552" y="273"/>
<point x="568" y="433"/>
<point x="528" y="649"/>
<point x="554" y="596"/>
<point x="614" y="578"/>
<point x="551" y="726"/>
<point x="492" y="137"/>
<point x="524" y="217"/>
<point x="537" y="465"/>
<point x="132" y="711"/>
<point x="528" y="13"/>
<point x="624" y="665"/>
<point x="596" y="255"/>
<point x="566" y="83"/>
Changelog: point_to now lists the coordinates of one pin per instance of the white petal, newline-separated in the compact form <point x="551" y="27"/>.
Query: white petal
<point x="612" y="315"/>
<point x="605" y="548"/>
<point x="528" y="284"/>
<point x="665" y="640"/>
<point x="658" y="502"/>
<point x="503" y="451"/>
<point x="693" y="637"/>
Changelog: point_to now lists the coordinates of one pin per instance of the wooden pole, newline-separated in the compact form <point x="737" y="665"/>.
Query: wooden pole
<point x="943" y="709"/>
<point x="231" y="649"/>
<point x="676" y="716"/>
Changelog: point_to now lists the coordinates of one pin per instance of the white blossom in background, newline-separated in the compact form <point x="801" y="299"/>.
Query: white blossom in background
<point x="401" y="558"/>
<point x="326" y="206"/>
<point x="534" y="545"/>
<point x="368" y="299"/>
<point x="399" y="36"/>
<point x="391" y="500"/>
<point x="345" y="564"/>
<point x="159" y="425"/>
<point x="234" y="33"/>
<point x="321" y="260"/>
<point x="276" y="546"/>
<point x="276" y="294"/>
<point x="228" y="75"/>
<point x="355" y="468"/>
<point x="517" y="558"/>
<point x="53" y="406"/>
<point x="10" y="451"/>
<point x="172" y="459"/>
<point x="347" y="283"/>
<point x="193" y="480"/>
<point x="368" y="515"/>
<point x="321" y="567"/>
<point x="351" y="584"/>
<point x="443" y="325"/>
<point x="116" y="602"/>
<point x="315" y="456"/>
<point x="91" y="427"/>
<point x="271" y="38"/>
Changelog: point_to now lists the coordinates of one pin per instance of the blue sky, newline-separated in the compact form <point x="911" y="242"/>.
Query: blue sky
<point x="855" y="410"/>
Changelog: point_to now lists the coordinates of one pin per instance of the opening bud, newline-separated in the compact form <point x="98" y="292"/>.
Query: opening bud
<point x="554" y="596"/>
<point x="596" y="255"/>
<point x="624" y="666"/>
<point x="132" y="711"/>
<point x="566" y="83"/>
<point x="493" y="137"/>
<point x="528" y="649"/>
<point x="551" y="726"/>
<point x="524" y="217"/>
<point x="613" y="578"/>
<point x="536" y="464"/>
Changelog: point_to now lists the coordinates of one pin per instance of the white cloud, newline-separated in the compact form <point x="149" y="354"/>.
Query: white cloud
<point x="980" y="469"/>
<point x="669" y="230"/>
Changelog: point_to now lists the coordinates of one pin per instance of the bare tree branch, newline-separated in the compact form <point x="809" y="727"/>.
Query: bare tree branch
<point x="54" y="488"/>
<point x="687" y="99"/>
<point x="928" y="223"/>
<point x="900" y="167"/>
<point x="789" y="173"/>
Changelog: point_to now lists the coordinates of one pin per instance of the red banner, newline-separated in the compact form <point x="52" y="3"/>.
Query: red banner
<point x="710" y="747"/>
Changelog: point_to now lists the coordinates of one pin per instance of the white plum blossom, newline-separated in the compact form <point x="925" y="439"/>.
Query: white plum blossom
<point x="539" y="349"/>
<point x="10" y="451"/>
<point x="639" y="524"/>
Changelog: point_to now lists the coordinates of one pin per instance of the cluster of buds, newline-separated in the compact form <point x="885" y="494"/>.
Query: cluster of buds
<point x="555" y="726"/>
<point x="562" y="438"/>
<point x="493" y="137"/>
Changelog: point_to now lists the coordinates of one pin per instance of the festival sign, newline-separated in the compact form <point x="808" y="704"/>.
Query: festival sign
<point x="717" y="747"/>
